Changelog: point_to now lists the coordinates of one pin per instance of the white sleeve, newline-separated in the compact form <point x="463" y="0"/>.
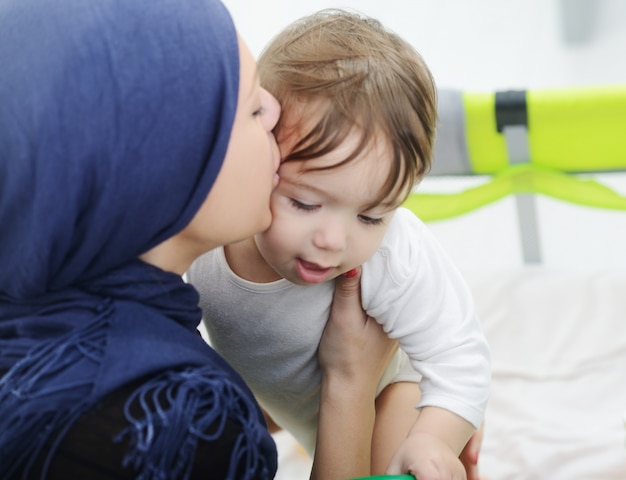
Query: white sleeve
<point x="412" y="288"/>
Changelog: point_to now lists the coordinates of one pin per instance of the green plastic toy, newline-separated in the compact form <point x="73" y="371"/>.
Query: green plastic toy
<point x="386" y="477"/>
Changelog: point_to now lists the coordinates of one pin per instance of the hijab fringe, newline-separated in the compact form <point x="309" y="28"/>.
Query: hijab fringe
<point x="178" y="409"/>
<point x="35" y="418"/>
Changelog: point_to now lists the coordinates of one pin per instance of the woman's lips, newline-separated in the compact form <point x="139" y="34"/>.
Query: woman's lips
<point x="311" y="272"/>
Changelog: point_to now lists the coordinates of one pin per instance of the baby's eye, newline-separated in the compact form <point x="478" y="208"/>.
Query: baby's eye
<point x="302" y="206"/>
<point x="370" y="221"/>
<point x="258" y="111"/>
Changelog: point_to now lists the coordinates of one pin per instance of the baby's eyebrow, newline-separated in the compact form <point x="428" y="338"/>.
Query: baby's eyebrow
<point x="387" y="205"/>
<point x="309" y="186"/>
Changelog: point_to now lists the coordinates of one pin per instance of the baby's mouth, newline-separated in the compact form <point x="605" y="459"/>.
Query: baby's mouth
<point x="312" y="272"/>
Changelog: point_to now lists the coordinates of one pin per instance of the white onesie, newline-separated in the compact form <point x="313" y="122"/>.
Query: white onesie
<point x="270" y="332"/>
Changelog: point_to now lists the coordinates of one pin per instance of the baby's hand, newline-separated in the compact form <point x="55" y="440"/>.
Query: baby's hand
<point x="426" y="457"/>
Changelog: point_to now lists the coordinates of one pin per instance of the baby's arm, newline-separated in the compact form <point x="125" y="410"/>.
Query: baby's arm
<point x="395" y="416"/>
<point x="432" y="448"/>
<point x="415" y="291"/>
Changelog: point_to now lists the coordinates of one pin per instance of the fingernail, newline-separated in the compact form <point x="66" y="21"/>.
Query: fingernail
<point x="350" y="273"/>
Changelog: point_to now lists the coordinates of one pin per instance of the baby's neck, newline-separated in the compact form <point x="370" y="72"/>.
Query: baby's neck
<point x="245" y="260"/>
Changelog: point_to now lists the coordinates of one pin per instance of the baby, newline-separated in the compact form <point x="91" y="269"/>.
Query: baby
<point x="356" y="136"/>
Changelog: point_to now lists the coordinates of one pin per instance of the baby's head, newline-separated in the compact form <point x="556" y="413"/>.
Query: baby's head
<point x="336" y="73"/>
<point x="355" y="135"/>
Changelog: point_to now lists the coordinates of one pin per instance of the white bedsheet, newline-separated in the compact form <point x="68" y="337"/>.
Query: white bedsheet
<point x="558" y="403"/>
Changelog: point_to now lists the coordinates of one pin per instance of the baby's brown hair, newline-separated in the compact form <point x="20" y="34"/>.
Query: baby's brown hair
<point x="362" y="75"/>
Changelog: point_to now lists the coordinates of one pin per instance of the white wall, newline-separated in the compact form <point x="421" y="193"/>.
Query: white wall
<point x="479" y="44"/>
<point x="484" y="45"/>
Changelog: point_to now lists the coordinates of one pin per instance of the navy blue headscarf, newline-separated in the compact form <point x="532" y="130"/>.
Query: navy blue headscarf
<point x="115" y="117"/>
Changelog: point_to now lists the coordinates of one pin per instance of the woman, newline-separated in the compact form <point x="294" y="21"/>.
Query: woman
<point x="134" y="136"/>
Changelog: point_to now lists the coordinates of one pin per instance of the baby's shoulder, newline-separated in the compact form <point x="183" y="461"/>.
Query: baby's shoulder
<point x="398" y="253"/>
<point x="404" y="237"/>
<point x="405" y="228"/>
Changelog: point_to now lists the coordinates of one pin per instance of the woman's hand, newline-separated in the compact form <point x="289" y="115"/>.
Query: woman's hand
<point x="469" y="455"/>
<point x="353" y="353"/>
<point x="354" y="347"/>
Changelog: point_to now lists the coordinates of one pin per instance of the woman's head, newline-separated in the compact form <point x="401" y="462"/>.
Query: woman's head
<point x="238" y="204"/>
<point x="358" y="76"/>
<point x="115" y="119"/>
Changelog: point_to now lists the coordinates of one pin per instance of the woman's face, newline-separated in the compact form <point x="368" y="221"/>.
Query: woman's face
<point x="238" y="204"/>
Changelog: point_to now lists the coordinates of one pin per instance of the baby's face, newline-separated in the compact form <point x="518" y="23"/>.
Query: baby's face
<point x="323" y="224"/>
